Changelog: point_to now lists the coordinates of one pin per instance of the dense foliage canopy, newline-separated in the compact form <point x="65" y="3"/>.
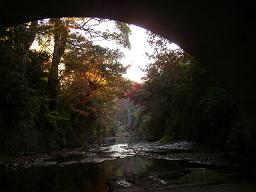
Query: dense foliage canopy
<point x="56" y="95"/>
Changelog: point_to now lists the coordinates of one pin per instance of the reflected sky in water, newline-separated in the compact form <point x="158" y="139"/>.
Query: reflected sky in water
<point x="89" y="177"/>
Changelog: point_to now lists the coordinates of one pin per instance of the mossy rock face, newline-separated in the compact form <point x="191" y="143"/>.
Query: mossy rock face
<point x="202" y="176"/>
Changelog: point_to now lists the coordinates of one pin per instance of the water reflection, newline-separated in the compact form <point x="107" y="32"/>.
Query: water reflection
<point x="89" y="177"/>
<point x="97" y="168"/>
<point x="119" y="150"/>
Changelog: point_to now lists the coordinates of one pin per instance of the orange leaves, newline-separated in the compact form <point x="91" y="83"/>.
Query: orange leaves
<point x="94" y="76"/>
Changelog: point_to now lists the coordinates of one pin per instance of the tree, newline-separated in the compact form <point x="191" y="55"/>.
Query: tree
<point x="21" y="84"/>
<point x="83" y="77"/>
<point x="67" y="74"/>
<point x="73" y="42"/>
<point x="182" y="99"/>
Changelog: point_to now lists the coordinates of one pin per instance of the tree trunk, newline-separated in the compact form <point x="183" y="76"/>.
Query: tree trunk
<point x="60" y="39"/>
<point x="30" y="39"/>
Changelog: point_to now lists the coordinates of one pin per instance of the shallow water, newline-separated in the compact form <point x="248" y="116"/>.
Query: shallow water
<point x="92" y="169"/>
<point x="81" y="176"/>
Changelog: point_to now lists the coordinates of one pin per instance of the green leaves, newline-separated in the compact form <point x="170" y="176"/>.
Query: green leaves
<point x="183" y="99"/>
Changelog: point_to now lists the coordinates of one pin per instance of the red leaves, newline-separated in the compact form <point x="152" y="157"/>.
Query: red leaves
<point x="136" y="93"/>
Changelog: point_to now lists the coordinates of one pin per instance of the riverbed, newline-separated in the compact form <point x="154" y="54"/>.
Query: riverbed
<point x="127" y="166"/>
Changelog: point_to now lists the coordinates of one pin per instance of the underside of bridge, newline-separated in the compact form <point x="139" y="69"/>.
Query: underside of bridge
<point x="218" y="34"/>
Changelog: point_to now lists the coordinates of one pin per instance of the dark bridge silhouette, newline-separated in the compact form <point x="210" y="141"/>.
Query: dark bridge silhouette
<point x="218" y="34"/>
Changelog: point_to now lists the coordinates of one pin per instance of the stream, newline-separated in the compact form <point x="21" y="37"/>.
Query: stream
<point x="127" y="166"/>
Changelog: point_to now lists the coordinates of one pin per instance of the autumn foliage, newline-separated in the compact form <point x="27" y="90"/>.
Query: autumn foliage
<point x="136" y="93"/>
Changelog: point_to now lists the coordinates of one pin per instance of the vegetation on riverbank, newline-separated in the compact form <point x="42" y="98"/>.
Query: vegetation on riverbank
<point x="69" y="91"/>
<point x="182" y="99"/>
<point x="60" y="93"/>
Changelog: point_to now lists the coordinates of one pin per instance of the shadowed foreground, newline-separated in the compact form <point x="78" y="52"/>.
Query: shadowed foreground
<point x="229" y="187"/>
<point x="128" y="167"/>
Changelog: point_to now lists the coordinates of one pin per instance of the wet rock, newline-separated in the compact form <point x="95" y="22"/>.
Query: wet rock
<point x="123" y="183"/>
<point x="173" y="174"/>
<point x="115" y="183"/>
